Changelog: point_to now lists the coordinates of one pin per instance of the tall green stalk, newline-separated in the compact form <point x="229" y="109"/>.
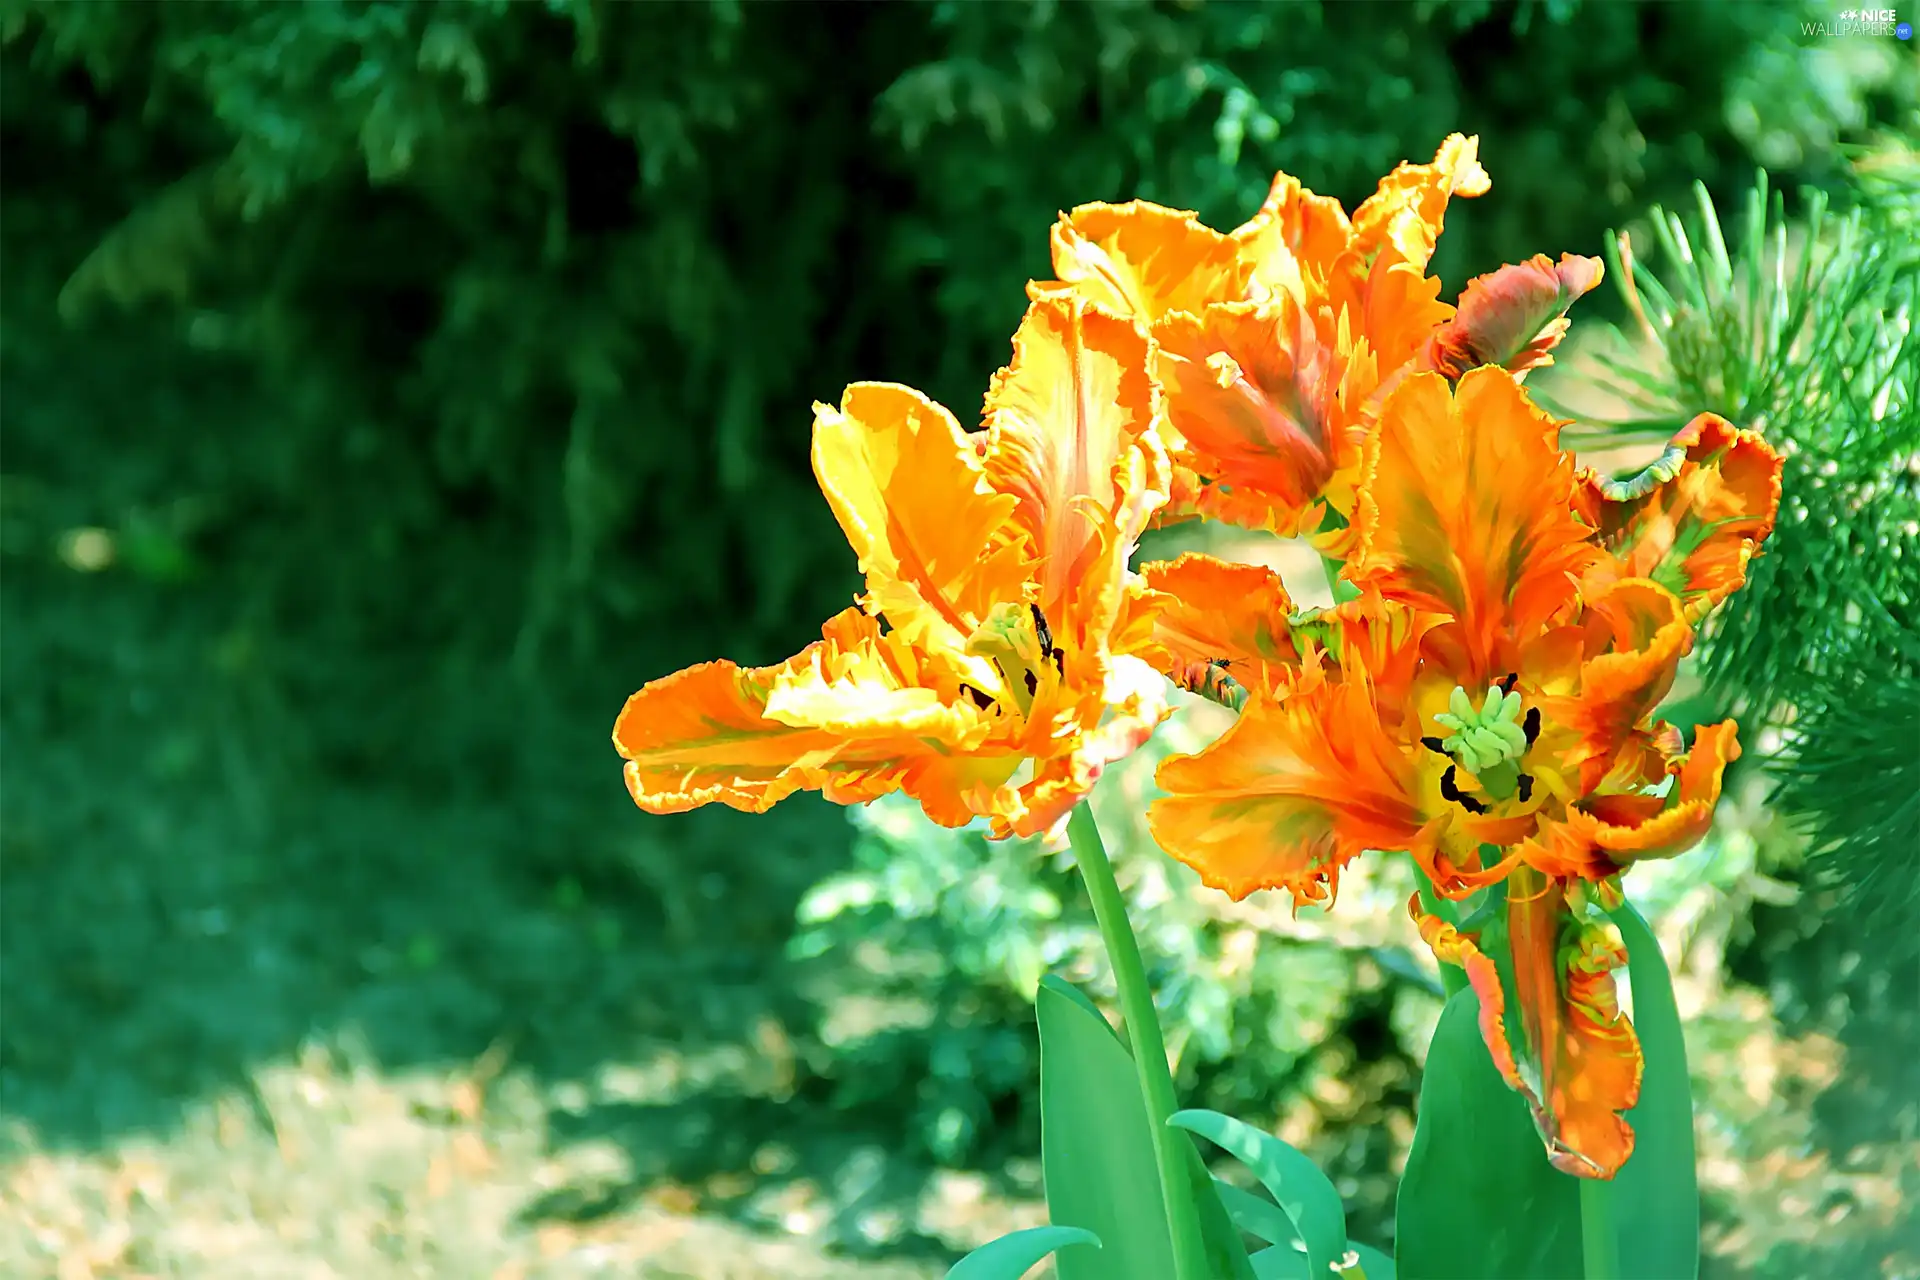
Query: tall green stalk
<point x="1599" y="1249"/>
<point x="1144" y="1037"/>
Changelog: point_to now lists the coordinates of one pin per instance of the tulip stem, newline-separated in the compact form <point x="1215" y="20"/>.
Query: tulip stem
<point x="1143" y="1035"/>
<point x="1598" y="1246"/>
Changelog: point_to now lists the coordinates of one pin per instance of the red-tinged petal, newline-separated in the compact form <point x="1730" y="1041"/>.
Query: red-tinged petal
<point x="1624" y="829"/>
<point x="1577" y="1056"/>
<point x="1257" y="395"/>
<point x="1141" y="261"/>
<point x="1221" y="612"/>
<point x="1463" y="510"/>
<point x="704" y="735"/>
<point x="1378" y="636"/>
<point x="1397" y="310"/>
<point x="1405" y="214"/>
<point x="1693" y="520"/>
<point x="1289" y="794"/>
<point x="1513" y="317"/>
<point x="1294" y="240"/>
<point x="937" y="546"/>
<point x="1072" y="440"/>
<point x="1450" y="946"/>
<point x="1635" y="633"/>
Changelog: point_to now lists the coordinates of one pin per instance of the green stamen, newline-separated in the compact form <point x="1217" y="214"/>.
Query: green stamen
<point x="1489" y="741"/>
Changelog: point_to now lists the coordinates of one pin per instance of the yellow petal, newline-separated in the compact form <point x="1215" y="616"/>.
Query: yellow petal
<point x="938" y="547"/>
<point x="704" y="735"/>
<point x="1404" y="216"/>
<point x="1071" y="440"/>
<point x="1141" y="261"/>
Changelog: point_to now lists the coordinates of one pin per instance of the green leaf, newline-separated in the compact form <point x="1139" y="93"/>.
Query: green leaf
<point x="1256" y="1215"/>
<point x="1094" y="1144"/>
<point x="1219" y="1227"/>
<point x="1282" y="1262"/>
<point x="1014" y="1254"/>
<point x="1479" y="1198"/>
<point x="1656" y="1201"/>
<point x="1297" y="1184"/>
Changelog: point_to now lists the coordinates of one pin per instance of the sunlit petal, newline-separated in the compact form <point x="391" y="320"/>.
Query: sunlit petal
<point x="1513" y="317"/>
<point x="1404" y="216"/>
<point x="704" y="735"/>
<point x="1072" y="442"/>
<point x="1464" y="511"/>
<point x="936" y="544"/>
<point x="1289" y="794"/>
<point x="1141" y="261"/>
<point x="1692" y="521"/>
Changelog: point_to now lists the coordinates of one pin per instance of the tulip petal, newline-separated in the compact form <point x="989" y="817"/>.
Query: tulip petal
<point x="1513" y="317"/>
<point x="1071" y="440"/>
<point x="1577" y="1055"/>
<point x="1218" y="611"/>
<point x="1141" y="261"/>
<point x="936" y="544"/>
<point x="1293" y="241"/>
<point x="1404" y="216"/>
<point x="853" y="719"/>
<point x="1463" y="510"/>
<point x="1627" y="829"/>
<point x="1289" y="794"/>
<point x="1696" y="521"/>
<point x="1635" y="633"/>
<point x="1257" y="395"/>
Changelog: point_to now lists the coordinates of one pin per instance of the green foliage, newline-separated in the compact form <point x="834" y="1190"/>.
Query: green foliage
<point x="971" y="925"/>
<point x="1312" y="1208"/>
<point x="1806" y="332"/>
<point x="1478" y="1197"/>
<point x="1098" y="1154"/>
<point x="1655" y="1200"/>
<point x="1013" y="1255"/>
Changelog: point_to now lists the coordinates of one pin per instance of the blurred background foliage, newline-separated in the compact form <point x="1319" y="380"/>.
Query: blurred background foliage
<point x="390" y="388"/>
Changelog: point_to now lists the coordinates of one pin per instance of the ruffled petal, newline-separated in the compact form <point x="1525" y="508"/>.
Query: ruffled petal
<point x="1289" y="794"/>
<point x="1450" y="946"/>
<point x="1404" y="216"/>
<point x="850" y="721"/>
<point x="1577" y="1055"/>
<point x="1218" y="612"/>
<point x="1108" y="726"/>
<point x="1071" y="439"/>
<point x="1294" y="240"/>
<point x="1513" y="317"/>
<point x="1463" y="510"/>
<point x="1141" y="261"/>
<point x="1625" y="829"/>
<point x="1634" y="634"/>
<point x="1692" y="520"/>
<point x="1371" y="634"/>
<point x="938" y="547"/>
<point x="1260" y="398"/>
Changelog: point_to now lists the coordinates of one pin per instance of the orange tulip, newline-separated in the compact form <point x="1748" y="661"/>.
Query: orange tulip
<point x="1487" y="703"/>
<point x="1005" y="677"/>
<point x="1277" y="343"/>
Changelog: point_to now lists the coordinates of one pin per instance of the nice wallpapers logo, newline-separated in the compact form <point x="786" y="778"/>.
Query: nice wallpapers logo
<point x="1861" y="22"/>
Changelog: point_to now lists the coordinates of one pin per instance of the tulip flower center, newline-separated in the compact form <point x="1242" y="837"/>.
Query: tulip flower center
<point x="1488" y="741"/>
<point x="1016" y="639"/>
